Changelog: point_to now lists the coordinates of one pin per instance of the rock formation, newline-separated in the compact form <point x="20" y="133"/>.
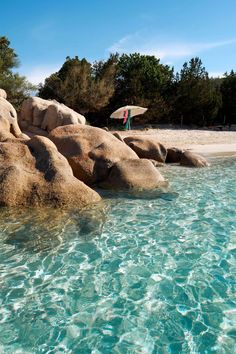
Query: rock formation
<point x="157" y="163"/>
<point x="34" y="173"/>
<point x="190" y="159"/>
<point x="46" y="115"/>
<point x="9" y="127"/>
<point x="173" y="155"/>
<point x="147" y="147"/>
<point x="135" y="175"/>
<point x="90" y="151"/>
<point x="118" y="136"/>
<point x="3" y="93"/>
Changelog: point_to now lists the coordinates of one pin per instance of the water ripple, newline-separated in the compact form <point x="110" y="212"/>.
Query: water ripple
<point x="151" y="273"/>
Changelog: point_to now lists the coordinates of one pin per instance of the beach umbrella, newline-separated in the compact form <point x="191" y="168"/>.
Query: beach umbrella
<point x="126" y="113"/>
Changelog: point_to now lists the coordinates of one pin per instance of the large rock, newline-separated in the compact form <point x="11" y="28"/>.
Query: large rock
<point x="147" y="147"/>
<point x="134" y="175"/>
<point x="34" y="173"/>
<point x="33" y="110"/>
<point x="90" y="151"/>
<point x="47" y="115"/>
<point x="118" y="136"/>
<point x="157" y="163"/>
<point x="32" y="131"/>
<point x="9" y="127"/>
<point x="174" y="155"/>
<point x="190" y="159"/>
<point x="58" y="115"/>
<point x="3" y="93"/>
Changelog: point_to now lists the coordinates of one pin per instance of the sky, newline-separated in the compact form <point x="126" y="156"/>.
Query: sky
<point x="43" y="33"/>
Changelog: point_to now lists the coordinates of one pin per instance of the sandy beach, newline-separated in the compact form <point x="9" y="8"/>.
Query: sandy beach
<point x="204" y="142"/>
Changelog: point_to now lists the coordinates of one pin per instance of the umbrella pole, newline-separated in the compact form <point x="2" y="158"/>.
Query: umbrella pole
<point x="127" y="125"/>
<point x="130" y="119"/>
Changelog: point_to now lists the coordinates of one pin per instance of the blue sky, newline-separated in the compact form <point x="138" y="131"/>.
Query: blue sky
<point x="44" y="32"/>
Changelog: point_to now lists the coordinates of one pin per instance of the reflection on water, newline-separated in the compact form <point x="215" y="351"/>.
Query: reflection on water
<point x="146" y="273"/>
<point x="163" y="193"/>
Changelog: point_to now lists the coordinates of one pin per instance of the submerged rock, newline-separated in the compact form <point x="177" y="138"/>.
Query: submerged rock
<point x="134" y="174"/>
<point x="34" y="173"/>
<point x="190" y="159"/>
<point x="48" y="228"/>
<point x="90" y="151"/>
<point x="47" y="115"/>
<point x="147" y="147"/>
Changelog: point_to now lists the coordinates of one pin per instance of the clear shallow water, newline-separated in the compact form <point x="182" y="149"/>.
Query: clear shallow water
<point x="150" y="274"/>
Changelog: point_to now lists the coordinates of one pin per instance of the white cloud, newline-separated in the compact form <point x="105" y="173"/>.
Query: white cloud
<point x="163" y="48"/>
<point x="38" y="74"/>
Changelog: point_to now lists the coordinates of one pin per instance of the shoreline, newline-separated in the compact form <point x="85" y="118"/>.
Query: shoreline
<point x="204" y="142"/>
<point x="214" y="150"/>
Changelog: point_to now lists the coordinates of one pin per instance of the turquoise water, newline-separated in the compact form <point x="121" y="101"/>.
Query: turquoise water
<point x="136" y="274"/>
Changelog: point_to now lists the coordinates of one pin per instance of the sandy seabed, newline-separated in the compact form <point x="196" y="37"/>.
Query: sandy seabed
<point x="206" y="142"/>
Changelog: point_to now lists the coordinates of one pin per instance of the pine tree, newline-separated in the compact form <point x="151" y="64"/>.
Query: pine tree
<point x="197" y="99"/>
<point x="16" y="86"/>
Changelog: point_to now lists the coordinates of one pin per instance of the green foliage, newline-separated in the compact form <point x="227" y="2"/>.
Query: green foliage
<point x="228" y="90"/>
<point x="81" y="85"/>
<point x="142" y="80"/>
<point x="8" y="58"/>
<point x="16" y="86"/>
<point x="198" y="100"/>
<point x="99" y="88"/>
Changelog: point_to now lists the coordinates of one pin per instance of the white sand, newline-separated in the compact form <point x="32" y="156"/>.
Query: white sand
<point x="205" y="142"/>
<point x="214" y="149"/>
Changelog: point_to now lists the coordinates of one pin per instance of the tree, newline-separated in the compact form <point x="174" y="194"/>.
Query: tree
<point x="228" y="90"/>
<point x="8" y="58"/>
<point x="142" y="80"/>
<point x="198" y="100"/>
<point x="83" y="86"/>
<point x="16" y="86"/>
